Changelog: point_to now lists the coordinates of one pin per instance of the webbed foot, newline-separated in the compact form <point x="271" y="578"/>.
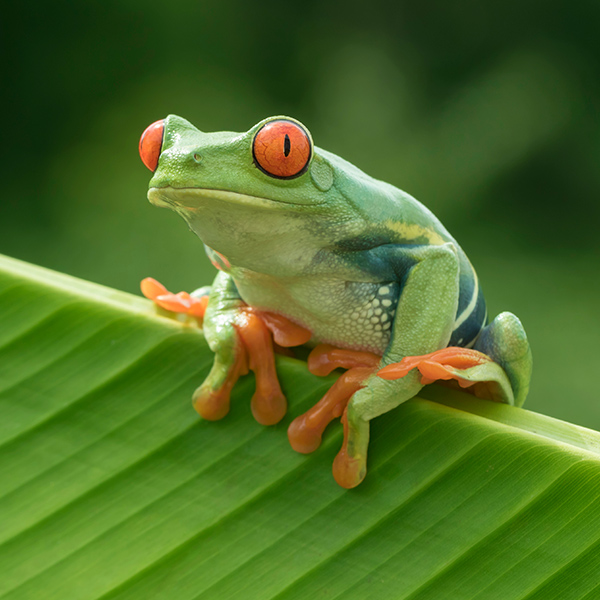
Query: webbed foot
<point x="471" y="369"/>
<point x="251" y="348"/>
<point x="306" y="431"/>
<point x="442" y="364"/>
<point x="180" y="303"/>
<point x="499" y="368"/>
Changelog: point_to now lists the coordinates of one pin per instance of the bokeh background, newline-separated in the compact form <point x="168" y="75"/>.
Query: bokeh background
<point x="486" y="112"/>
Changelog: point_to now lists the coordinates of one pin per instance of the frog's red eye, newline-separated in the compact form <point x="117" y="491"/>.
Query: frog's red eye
<point x="282" y="149"/>
<point x="151" y="144"/>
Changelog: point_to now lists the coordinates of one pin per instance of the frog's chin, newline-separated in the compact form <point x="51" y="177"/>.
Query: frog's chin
<point x="191" y="198"/>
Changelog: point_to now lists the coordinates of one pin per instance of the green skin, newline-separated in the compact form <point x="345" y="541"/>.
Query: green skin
<point x="358" y="262"/>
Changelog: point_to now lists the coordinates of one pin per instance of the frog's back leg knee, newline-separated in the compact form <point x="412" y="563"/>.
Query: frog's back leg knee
<point x="504" y="340"/>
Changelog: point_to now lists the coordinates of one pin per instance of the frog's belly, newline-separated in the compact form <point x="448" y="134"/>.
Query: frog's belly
<point x="354" y="315"/>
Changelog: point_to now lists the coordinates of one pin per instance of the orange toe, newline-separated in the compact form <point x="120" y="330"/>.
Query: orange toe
<point x="306" y="431"/>
<point x="269" y="405"/>
<point x="325" y="358"/>
<point x="198" y="306"/>
<point x="152" y="288"/>
<point x="180" y="302"/>
<point x="212" y="403"/>
<point x="443" y="364"/>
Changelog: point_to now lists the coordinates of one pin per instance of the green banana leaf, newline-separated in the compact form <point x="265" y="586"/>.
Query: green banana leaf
<point x="111" y="487"/>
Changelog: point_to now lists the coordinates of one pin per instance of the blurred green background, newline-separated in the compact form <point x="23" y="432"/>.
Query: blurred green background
<point x="486" y="112"/>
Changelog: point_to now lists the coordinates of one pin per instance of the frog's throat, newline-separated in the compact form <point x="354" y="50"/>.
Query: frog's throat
<point x="171" y="197"/>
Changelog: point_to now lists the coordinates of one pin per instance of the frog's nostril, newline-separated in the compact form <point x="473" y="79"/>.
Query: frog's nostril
<point x="151" y="144"/>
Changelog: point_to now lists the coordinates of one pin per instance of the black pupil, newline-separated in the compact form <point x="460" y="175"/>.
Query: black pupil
<point x="287" y="145"/>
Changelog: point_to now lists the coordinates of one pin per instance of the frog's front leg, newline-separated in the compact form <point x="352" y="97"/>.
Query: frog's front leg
<point x="241" y="338"/>
<point x="241" y="341"/>
<point x="193" y="304"/>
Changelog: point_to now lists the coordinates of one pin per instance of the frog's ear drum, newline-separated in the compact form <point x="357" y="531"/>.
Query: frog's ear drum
<point x="282" y="149"/>
<point x="151" y="144"/>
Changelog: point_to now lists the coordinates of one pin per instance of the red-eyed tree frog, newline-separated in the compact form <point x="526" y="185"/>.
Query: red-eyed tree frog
<point x="311" y="250"/>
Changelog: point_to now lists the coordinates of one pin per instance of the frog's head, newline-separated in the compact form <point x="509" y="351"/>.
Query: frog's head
<point x="258" y="195"/>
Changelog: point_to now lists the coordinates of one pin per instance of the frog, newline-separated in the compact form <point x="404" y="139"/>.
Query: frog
<point x="311" y="251"/>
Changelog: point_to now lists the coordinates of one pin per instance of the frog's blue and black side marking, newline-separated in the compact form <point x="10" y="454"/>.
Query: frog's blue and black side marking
<point x="371" y="254"/>
<point x="471" y="315"/>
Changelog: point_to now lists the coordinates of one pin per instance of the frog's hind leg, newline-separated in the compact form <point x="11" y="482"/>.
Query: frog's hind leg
<point x="498" y="368"/>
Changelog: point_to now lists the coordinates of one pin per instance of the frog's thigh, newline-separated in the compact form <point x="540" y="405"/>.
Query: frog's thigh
<point x="427" y="305"/>
<point x="424" y="319"/>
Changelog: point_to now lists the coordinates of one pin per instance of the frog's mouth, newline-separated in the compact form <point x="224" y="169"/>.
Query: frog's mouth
<point x="191" y="198"/>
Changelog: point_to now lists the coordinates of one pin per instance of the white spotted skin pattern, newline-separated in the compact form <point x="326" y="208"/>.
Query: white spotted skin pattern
<point x="372" y="317"/>
<point x="353" y="315"/>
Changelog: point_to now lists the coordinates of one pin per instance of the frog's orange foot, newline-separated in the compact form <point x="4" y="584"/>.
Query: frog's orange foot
<point x="181" y="302"/>
<point x="306" y="431"/>
<point x="253" y="350"/>
<point x="257" y="330"/>
<point x="268" y="404"/>
<point x="443" y="364"/>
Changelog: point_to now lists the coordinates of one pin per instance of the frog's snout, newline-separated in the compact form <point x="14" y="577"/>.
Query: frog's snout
<point x="151" y="144"/>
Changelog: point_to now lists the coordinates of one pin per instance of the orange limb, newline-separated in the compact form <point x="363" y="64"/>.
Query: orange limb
<point x="324" y="358"/>
<point x="255" y="352"/>
<point x="442" y="364"/>
<point x="260" y="334"/>
<point x="181" y="302"/>
<point x="268" y="404"/>
<point x="306" y="431"/>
